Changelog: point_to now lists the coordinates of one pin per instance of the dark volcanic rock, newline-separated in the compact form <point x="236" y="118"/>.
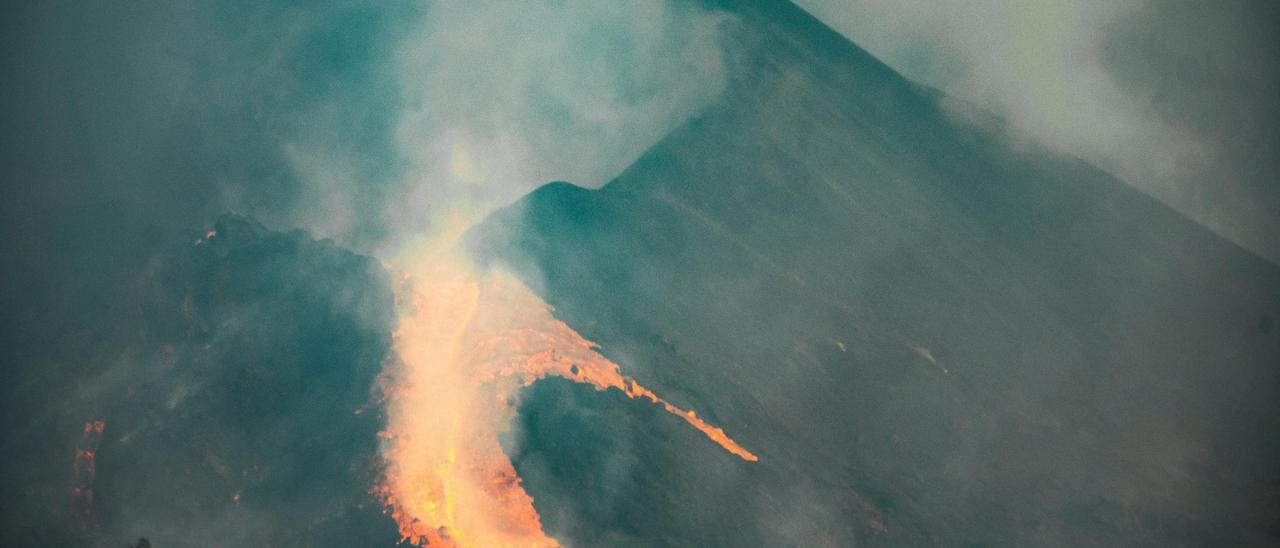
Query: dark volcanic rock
<point x="236" y="401"/>
<point x="930" y="329"/>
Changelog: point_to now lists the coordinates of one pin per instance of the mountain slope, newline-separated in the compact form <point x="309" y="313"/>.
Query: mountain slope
<point x="930" y="330"/>
<point x="236" y="404"/>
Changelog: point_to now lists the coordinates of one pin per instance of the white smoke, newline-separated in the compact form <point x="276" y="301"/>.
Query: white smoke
<point x="1048" y="67"/>
<point x="500" y="98"/>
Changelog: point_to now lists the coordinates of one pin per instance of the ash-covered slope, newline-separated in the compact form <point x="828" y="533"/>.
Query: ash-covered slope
<point x="931" y="330"/>
<point x="237" y="398"/>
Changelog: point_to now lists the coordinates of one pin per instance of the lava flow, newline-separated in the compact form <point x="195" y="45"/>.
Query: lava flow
<point x="467" y="344"/>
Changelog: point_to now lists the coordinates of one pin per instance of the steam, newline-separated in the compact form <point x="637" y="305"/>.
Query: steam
<point x="496" y="99"/>
<point x="501" y="100"/>
<point x="1040" y="63"/>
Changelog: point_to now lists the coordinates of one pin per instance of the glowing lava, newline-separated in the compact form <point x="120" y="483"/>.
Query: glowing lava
<point x="467" y="344"/>
<point x="83" y="469"/>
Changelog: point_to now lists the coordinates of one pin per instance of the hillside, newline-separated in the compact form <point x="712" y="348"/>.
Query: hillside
<point x="931" y="330"/>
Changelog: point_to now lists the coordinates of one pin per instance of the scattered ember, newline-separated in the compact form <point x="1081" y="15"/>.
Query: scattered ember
<point x="82" y="472"/>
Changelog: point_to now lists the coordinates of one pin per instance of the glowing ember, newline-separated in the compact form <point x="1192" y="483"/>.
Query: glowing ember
<point x="467" y="345"/>
<point x="83" y="470"/>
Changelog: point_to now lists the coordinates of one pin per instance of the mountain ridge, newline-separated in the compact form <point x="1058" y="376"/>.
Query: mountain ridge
<point x="929" y="332"/>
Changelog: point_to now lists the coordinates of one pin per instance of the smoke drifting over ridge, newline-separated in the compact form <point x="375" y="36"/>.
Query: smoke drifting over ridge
<point x="496" y="99"/>
<point x="1175" y="98"/>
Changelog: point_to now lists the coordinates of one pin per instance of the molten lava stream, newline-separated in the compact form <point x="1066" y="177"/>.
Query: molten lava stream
<point x="467" y="345"/>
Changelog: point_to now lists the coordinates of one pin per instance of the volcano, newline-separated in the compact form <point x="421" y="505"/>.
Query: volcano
<point x="832" y="308"/>
<point x="931" y="329"/>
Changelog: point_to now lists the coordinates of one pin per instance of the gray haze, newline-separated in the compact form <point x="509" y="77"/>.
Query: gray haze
<point x="1176" y="98"/>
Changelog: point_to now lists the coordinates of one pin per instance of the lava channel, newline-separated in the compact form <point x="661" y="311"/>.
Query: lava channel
<point x="466" y="345"/>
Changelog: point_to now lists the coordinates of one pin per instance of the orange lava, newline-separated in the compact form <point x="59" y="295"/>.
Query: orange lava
<point x="467" y="344"/>
<point x="83" y="470"/>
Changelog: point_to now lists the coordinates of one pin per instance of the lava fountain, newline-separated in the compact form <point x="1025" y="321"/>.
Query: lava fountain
<point x="467" y="343"/>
